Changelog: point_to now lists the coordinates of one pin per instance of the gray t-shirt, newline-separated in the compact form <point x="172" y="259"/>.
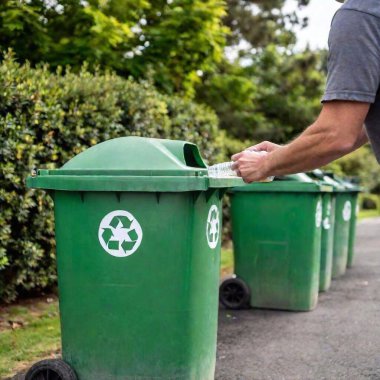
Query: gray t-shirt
<point x="354" y="61"/>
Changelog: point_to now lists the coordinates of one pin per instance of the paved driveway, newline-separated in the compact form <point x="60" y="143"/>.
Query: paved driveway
<point x="338" y="340"/>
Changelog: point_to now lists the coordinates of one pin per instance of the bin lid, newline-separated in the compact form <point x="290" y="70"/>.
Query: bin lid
<point x="349" y="186"/>
<point x="133" y="164"/>
<point x="333" y="180"/>
<point x="299" y="182"/>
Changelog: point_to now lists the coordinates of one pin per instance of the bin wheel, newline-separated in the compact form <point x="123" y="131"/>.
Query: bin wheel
<point x="234" y="294"/>
<point x="51" y="369"/>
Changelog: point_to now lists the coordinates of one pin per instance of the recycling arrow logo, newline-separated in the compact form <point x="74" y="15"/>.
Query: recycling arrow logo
<point x="318" y="214"/>
<point x="347" y="210"/>
<point x="326" y="220"/>
<point x="120" y="234"/>
<point x="213" y="227"/>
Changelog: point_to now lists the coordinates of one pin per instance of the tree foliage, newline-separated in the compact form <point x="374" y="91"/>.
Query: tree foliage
<point x="361" y="164"/>
<point x="262" y="22"/>
<point x="275" y="97"/>
<point x="171" y="39"/>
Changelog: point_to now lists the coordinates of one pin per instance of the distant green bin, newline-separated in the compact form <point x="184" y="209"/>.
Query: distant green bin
<point x="276" y="231"/>
<point x="343" y="213"/>
<point x="353" y="190"/>
<point x="327" y="240"/>
<point x="138" y="225"/>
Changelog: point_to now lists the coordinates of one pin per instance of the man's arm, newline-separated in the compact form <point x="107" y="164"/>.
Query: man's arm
<point x="337" y="131"/>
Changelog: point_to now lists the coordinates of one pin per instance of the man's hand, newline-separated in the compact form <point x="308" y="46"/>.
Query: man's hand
<point x="250" y="165"/>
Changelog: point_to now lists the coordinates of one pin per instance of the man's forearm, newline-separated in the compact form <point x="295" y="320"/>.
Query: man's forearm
<point x="310" y="150"/>
<point x="314" y="148"/>
<point x="338" y="131"/>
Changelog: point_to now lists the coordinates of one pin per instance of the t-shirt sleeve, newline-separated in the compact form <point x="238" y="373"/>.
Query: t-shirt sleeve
<point x="354" y="57"/>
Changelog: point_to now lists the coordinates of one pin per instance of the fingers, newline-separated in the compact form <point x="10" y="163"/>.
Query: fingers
<point x="236" y="156"/>
<point x="248" y="165"/>
<point x="265" y="145"/>
<point x="235" y="167"/>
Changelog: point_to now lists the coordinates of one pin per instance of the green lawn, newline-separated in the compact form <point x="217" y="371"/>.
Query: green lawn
<point x="226" y="262"/>
<point x="28" y="332"/>
<point x="363" y="214"/>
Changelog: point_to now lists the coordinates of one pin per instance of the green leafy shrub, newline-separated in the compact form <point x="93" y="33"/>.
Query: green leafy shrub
<point x="45" y="119"/>
<point x="369" y="202"/>
<point x="361" y="164"/>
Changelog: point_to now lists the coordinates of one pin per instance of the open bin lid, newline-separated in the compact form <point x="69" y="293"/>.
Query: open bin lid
<point x="133" y="164"/>
<point x="300" y="182"/>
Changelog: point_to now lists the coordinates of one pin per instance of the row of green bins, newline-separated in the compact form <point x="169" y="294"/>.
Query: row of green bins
<point x="277" y="244"/>
<point x="138" y="225"/>
<point x="342" y="225"/>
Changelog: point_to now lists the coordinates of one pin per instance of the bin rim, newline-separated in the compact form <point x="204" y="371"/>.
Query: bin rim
<point x="283" y="186"/>
<point x="130" y="183"/>
<point x="133" y="164"/>
<point x="340" y="185"/>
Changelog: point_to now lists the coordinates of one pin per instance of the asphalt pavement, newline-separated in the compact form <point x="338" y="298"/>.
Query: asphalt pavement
<point x="340" y="339"/>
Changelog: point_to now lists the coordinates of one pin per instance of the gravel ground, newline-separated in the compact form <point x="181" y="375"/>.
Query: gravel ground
<point x="338" y="340"/>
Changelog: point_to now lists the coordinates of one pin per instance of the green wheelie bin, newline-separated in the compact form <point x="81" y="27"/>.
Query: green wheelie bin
<point x="276" y="231"/>
<point x="353" y="190"/>
<point x="343" y="213"/>
<point x="327" y="239"/>
<point x="138" y="224"/>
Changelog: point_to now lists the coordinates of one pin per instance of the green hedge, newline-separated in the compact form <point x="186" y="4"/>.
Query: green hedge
<point x="45" y="119"/>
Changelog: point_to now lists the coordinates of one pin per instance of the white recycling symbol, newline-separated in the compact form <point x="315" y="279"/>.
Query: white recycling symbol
<point x="326" y="220"/>
<point x="120" y="234"/>
<point x="213" y="227"/>
<point x="318" y="214"/>
<point x="347" y="210"/>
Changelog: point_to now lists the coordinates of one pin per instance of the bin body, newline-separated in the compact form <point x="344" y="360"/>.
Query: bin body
<point x="346" y="226"/>
<point x="342" y="217"/>
<point x="327" y="242"/>
<point x="277" y="243"/>
<point x="353" y="221"/>
<point x="343" y="213"/>
<point x="152" y="314"/>
<point x="138" y="226"/>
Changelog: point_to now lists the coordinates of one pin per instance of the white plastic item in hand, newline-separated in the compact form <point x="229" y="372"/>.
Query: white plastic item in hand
<point x="224" y="169"/>
<point x="221" y="170"/>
